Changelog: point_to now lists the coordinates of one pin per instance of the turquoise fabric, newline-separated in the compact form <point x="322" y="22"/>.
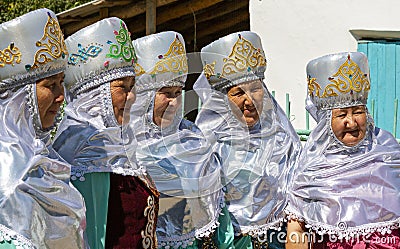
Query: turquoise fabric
<point x="7" y="245"/>
<point x="225" y="234"/>
<point x="226" y="240"/>
<point x="95" y="190"/>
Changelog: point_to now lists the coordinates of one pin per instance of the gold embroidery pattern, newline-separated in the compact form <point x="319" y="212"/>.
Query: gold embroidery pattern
<point x="52" y="43"/>
<point x="258" y="244"/>
<point x="313" y="86"/>
<point x="347" y="79"/>
<point x="148" y="233"/>
<point x="209" y="70"/>
<point x="244" y="56"/>
<point x="139" y="69"/>
<point x="174" y="60"/>
<point x="10" y="55"/>
<point x="208" y="242"/>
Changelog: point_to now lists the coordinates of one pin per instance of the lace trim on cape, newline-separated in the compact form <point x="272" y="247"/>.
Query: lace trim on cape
<point x="200" y="233"/>
<point x="176" y="241"/>
<point x="78" y="172"/>
<point x="16" y="239"/>
<point x="209" y="229"/>
<point x="341" y="229"/>
<point x="261" y="231"/>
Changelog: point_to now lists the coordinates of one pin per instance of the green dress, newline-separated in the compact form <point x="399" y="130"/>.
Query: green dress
<point x="225" y="238"/>
<point x="96" y="200"/>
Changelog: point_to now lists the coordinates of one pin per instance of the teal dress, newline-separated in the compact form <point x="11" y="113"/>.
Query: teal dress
<point x="96" y="201"/>
<point x="225" y="239"/>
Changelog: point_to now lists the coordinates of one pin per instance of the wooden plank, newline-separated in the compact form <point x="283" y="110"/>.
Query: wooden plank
<point x="103" y="13"/>
<point x="204" y="15"/>
<point x="184" y="8"/>
<point x="133" y="10"/>
<point x="205" y="40"/>
<point x="72" y="22"/>
<point x="73" y="27"/>
<point x="151" y="14"/>
<point x="218" y="25"/>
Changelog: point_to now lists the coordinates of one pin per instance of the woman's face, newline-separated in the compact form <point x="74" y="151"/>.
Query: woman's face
<point x="246" y="101"/>
<point x="166" y="103"/>
<point x="50" y="96"/>
<point x="122" y="97"/>
<point x="349" y="124"/>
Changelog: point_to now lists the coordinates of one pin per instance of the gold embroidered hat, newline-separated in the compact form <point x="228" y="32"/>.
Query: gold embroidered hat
<point x="161" y="61"/>
<point x="338" y="80"/>
<point x="234" y="59"/>
<point x="99" y="53"/>
<point x="31" y="48"/>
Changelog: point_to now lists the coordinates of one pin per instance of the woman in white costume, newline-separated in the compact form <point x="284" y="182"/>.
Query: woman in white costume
<point x="177" y="156"/>
<point x="39" y="208"/>
<point x="346" y="190"/>
<point x="100" y="78"/>
<point x="255" y="139"/>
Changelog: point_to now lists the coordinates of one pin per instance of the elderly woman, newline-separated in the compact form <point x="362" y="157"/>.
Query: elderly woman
<point x="347" y="185"/>
<point x="173" y="150"/>
<point x="256" y="141"/>
<point x="121" y="202"/>
<point x="39" y="208"/>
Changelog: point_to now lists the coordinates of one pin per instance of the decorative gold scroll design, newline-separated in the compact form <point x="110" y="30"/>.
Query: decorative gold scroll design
<point x="148" y="234"/>
<point x="139" y="70"/>
<point x="313" y="86"/>
<point x="348" y="79"/>
<point x="51" y="44"/>
<point x="244" y="56"/>
<point x="209" y="70"/>
<point x="174" y="60"/>
<point x="10" y="55"/>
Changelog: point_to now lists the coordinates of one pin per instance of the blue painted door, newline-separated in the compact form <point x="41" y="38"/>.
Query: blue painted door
<point x="383" y="100"/>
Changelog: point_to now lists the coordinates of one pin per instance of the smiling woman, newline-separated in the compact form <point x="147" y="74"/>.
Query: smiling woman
<point x="349" y="124"/>
<point x="247" y="99"/>
<point x="254" y="138"/>
<point x="346" y="190"/>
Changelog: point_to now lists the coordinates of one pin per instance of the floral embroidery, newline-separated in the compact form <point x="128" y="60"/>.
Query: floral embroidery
<point x="124" y="49"/>
<point x="83" y="54"/>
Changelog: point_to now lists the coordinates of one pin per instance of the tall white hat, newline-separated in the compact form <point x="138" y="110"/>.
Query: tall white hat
<point x="234" y="59"/>
<point x="161" y="61"/>
<point x="99" y="53"/>
<point x="338" y="80"/>
<point x="31" y="47"/>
